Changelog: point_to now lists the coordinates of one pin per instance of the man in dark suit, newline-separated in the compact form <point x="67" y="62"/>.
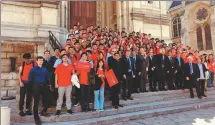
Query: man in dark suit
<point x="191" y="73"/>
<point x="151" y="77"/>
<point x="201" y="79"/>
<point x="128" y="75"/>
<point x="179" y="76"/>
<point x="160" y="69"/>
<point x="115" y="90"/>
<point x="142" y="68"/>
<point x="135" y="80"/>
<point x="170" y="70"/>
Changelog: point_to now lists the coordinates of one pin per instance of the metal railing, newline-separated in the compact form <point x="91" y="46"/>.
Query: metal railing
<point x="53" y="41"/>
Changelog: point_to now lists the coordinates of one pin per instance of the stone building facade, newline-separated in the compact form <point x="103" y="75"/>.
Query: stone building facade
<point x="24" y="28"/>
<point x="193" y="23"/>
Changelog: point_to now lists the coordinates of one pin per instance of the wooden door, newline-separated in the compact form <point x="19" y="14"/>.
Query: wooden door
<point x="83" y="12"/>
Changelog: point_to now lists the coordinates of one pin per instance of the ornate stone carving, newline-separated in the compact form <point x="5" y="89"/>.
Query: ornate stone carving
<point x="202" y="14"/>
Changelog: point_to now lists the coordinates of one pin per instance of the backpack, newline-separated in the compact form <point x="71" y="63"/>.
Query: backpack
<point x="23" y="66"/>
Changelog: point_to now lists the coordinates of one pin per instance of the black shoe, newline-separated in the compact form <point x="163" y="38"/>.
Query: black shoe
<point x="205" y="95"/>
<point x="116" y="107"/>
<point x="145" y="91"/>
<point x="120" y="105"/>
<point x="200" y="97"/>
<point x="21" y="113"/>
<point x="191" y="96"/>
<point x="164" y="89"/>
<point x="69" y="111"/>
<point x="130" y="98"/>
<point x="58" y="112"/>
<point x="28" y="112"/>
<point x="37" y="122"/>
<point x="44" y="114"/>
<point x="124" y="98"/>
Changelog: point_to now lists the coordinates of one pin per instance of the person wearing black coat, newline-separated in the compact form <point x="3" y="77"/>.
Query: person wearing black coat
<point x="128" y="74"/>
<point x="116" y="66"/>
<point x="191" y="73"/>
<point x="160" y="69"/>
<point x="142" y="68"/>
<point x="179" y="76"/>
<point x="170" y="70"/>
<point x="151" y="73"/>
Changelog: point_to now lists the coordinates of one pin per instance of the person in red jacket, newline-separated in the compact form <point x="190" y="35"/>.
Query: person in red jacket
<point x="26" y="88"/>
<point x="83" y="68"/>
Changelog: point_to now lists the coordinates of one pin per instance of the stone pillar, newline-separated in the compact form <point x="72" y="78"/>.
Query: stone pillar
<point x="124" y="15"/>
<point x="99" y="13"/>
<point x="184" y="25"/>
<point x="213" y="26"/>
<point x="119" y="15"/>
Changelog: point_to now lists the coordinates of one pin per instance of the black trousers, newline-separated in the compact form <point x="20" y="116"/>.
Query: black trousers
<point x="135" y="85"/>
<point x="76" y="95"/>
<point x="142" y="79"/>
<point x="192" y="83"/>
<point x="160" y="78"/>
<point x="179" y="80"/>
<point x="85" y="96"/>
<point x="127" y="86"/>
<point x="201" y="87"/>
<point x="41" y="90"/>
<point x="170" y="80"/>
<point x="28" y="92"/>
<point x="152" y="82"/>
<point x="115" y="90"/>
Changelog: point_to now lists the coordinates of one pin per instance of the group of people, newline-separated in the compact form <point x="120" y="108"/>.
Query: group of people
<point x="135" y="58"/>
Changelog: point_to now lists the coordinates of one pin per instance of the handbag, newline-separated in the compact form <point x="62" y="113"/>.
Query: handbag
<point x="98" y="82"/>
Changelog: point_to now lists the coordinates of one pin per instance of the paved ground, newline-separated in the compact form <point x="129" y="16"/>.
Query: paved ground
<point x="197" y="117"/>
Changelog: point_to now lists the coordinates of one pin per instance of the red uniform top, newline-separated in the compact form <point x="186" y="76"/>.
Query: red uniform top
<point x="94" y="56"/>
<point x="26" y="71"/>
<point x="83" y="72"/>
<point x="101" y="72"/>
<point x="64" y="74"/>
<point x="211" y="66"/>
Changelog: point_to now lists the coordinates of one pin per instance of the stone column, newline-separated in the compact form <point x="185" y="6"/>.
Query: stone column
<point x="184" y="25"/>
<point x="213" y="26"/>
<point x="98" y="13"/>
<point x="119" y="15"/>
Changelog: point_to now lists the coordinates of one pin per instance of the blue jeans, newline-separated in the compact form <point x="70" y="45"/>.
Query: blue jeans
<point x="210" y="80"/>
<point x="99" y="99"/>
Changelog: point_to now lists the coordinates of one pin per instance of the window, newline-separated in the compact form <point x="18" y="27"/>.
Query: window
<point x="208" y="37"/>
<point x="150" y="2"/>
<point x="176" y="27"/>
<point x="199" y="38"/>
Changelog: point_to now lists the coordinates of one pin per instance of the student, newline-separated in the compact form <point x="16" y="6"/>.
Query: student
<point x="63" y="75"/>
<point x="25" y="85"/>
<point x="83" y="71"/>
<point x="99" y="88"/>
<point x="59" y="60"/>
<point x="39" y="77"/>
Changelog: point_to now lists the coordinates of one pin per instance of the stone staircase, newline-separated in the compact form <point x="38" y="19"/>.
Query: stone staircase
<point x="144" y="105"/>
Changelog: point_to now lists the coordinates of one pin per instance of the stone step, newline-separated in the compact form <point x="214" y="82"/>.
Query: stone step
<point x="139" y="98"/>
<point x="109" y="112"/>
<point x="138" y="115"/>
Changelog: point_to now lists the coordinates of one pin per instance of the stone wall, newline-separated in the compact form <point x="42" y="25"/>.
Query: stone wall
<point x="9" y="79"/>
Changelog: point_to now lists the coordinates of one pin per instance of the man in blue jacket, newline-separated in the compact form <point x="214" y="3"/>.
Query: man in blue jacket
<point x="39" y="77"/>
